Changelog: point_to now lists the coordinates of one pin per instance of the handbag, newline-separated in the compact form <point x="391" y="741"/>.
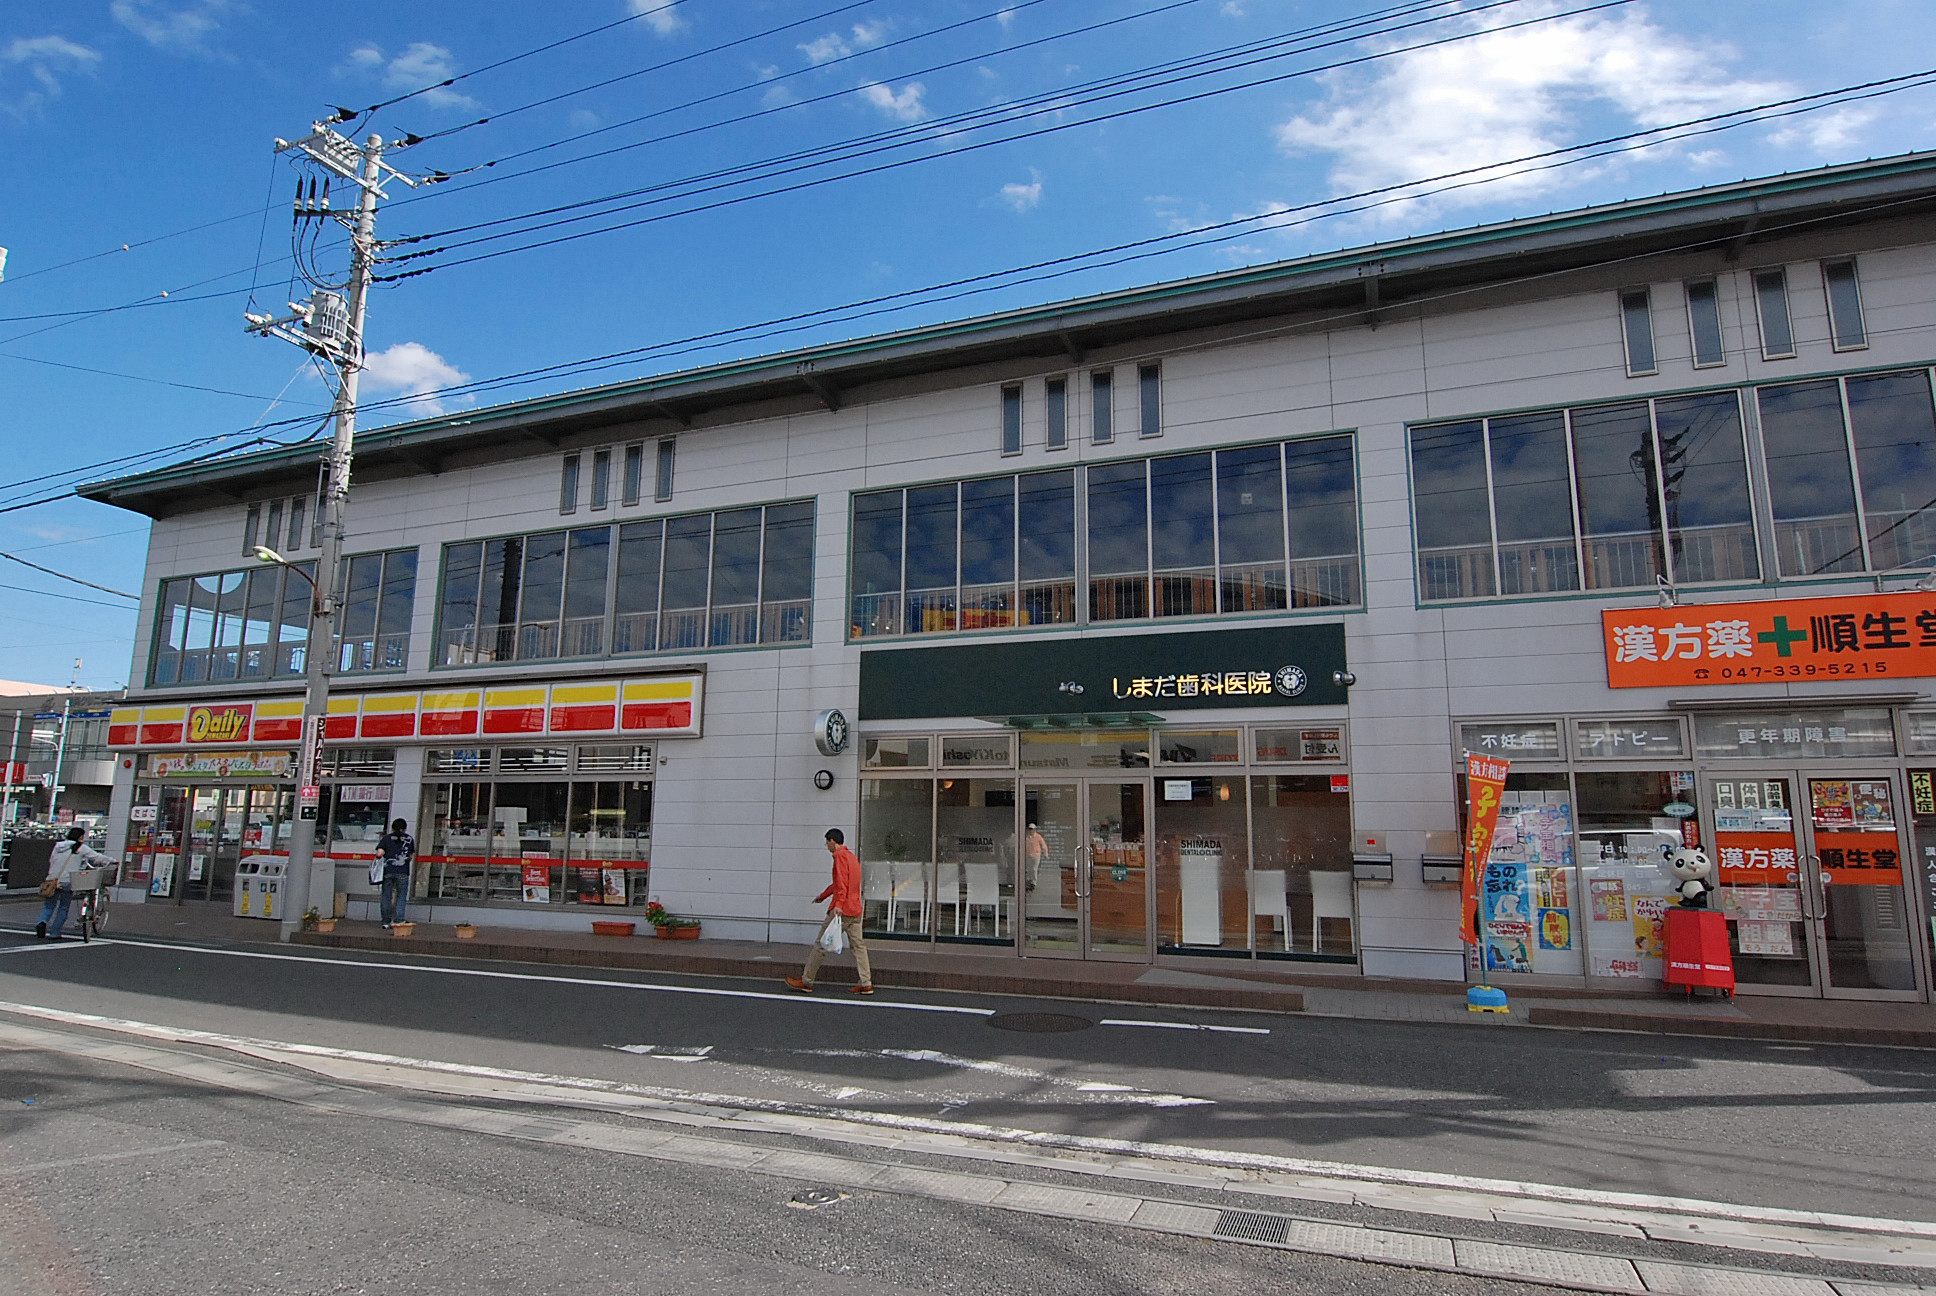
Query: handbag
<point x="833" y="937"/>
<point x="47" y="889"/>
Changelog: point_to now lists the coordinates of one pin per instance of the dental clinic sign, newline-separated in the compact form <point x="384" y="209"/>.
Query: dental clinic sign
<point x="1859" y="636"/>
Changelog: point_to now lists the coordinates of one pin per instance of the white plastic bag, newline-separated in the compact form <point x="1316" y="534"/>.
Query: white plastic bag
<point x="833" y="937"/>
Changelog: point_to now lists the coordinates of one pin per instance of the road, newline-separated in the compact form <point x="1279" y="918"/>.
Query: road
<point x="345" y="1115"/>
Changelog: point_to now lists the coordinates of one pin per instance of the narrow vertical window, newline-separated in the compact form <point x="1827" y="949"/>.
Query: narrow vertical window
<point x="1057" y="409"/>
<point x="1637" y="324"/>
<point x="1771" y="305"/>
<point x="634" y="472"/>
<point x="251" y="524"/>
<point x="296" y="507"/>
<point x="272" y="525"/>
<point x="1704" y="323"/>
<point x="1149" y="390"/>
<point x="662" y="478"/>
<point x="1102" y="407"/>
<point x="601" y="478"/>
<point x="1844" y="306"/>
<point x="568" y="485"/>
<point x="1011" y="420"/>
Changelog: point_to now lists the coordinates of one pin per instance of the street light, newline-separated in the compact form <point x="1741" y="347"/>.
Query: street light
<point x="299" y="886"/>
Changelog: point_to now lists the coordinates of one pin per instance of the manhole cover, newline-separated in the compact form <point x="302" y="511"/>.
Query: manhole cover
<point x="1039" y="1023"/>
<point x="808" y="1198"/>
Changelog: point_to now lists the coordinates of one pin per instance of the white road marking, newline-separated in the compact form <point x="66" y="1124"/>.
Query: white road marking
<point x="1193" y="1026"/>
<point x="665" y="1054"/>
<point x="40" y="1167"/>
<point x="43" y="946"/>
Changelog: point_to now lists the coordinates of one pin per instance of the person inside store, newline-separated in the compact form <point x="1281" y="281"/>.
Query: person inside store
<point x="71" y="855"/>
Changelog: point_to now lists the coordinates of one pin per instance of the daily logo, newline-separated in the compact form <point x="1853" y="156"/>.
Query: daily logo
<point x="219" y="724"/>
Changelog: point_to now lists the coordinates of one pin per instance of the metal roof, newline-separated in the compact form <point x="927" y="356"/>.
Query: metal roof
<point x="1382" y="276"/>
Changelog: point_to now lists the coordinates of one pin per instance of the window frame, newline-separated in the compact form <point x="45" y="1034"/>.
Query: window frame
<point x="568" y="483"/>
<point x="1755" y="281"/>
<point x="1713" y="284"/>
<point x="1102" y="406"/>
<point x="633" y="479"/>
<point x="1012" y="428"/>
<point x="1638" y="301"/>
<point x="664" y="464"/>
<point x="601" y="497"/>
<point x="1149" y="400"/>
<point x="1835" y="329"/>
<point x="1055" y="413"/>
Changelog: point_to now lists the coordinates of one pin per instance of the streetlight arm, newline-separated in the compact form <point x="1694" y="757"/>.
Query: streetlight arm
<point x="317" y="605"/>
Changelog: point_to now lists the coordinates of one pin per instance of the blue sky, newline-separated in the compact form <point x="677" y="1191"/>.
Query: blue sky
<point x="129" y="121"/>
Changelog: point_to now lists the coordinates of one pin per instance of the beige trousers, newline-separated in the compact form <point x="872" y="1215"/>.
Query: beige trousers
<point x="817" y="955"/>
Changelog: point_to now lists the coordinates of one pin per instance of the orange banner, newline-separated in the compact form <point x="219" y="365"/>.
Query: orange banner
<point x="1859" y="859"/>
<point x="1485" y="779"/>
<point x="1861" y="636"/>
<point x="1757" y="859"/>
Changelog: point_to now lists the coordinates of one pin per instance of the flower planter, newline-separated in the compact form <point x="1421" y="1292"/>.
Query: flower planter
<point x="677" y="933"/>
<point x="466" y="931"/>
<point x="402" y="929"/>
<point x="325" y="924"/>
<point x="614" y="928"/>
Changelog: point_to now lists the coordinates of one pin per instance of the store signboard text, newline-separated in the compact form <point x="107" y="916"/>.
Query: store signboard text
<point x="1857" y="636"/>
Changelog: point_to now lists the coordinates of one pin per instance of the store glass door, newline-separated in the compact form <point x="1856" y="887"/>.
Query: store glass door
<point x="1086" y="876"/>
<point x="1810" y="877"/>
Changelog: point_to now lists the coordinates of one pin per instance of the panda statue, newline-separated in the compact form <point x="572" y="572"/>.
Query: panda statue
<point x="1691" y="869"/>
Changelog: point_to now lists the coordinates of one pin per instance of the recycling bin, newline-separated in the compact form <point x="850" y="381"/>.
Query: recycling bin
<point x="259" y="886"/>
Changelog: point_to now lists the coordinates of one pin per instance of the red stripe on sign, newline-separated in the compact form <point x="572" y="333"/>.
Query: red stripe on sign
<point x="123" y="735"/>
<point x="161" y="733"/>
<point x="601" y="717"/>
<point x="289" y="730"/>
<point x="400" y="724"/>
<point x="340" y="727"/>
<point x="449" y="724"/>
<point x="514" y="720"/>
<point x="658" y="715"/>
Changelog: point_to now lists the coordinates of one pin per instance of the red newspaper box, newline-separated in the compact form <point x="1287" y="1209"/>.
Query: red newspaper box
<point x="1697" y="950"/>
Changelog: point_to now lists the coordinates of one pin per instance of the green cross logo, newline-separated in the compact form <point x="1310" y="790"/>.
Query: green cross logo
<point x="1781" y="637"/>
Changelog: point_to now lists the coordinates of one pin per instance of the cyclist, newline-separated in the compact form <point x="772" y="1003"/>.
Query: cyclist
<point x="71" y="854"/>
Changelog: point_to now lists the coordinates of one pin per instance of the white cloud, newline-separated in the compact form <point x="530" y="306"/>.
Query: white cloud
<point x="833" y="45"/>
<point x="43" y="58"/>
<point x="906" y="105"/>
<point x="185" y="27"/>
<point x="1006" y="18"/>
<point x="1506" y="94"/>
<point x="413" y="370"/>
<point x="1830" y="132"/>
<point x="582" y="119"/>
<point x="1231" y="9"/>
<point x="421" y="64"/>
<point x="1022" y="197"/>
<point x="662" y="16"/>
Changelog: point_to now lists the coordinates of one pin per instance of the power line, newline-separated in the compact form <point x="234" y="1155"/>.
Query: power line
<point x="49" y="571"/>
<point x="71" y="598"/>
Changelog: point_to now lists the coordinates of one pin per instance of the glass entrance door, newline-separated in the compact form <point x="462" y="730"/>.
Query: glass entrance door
<point x="1810" y="877"/>
<point x="1086" y="876"/>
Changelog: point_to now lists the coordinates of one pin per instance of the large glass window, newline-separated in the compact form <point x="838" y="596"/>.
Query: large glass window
<point x="379" y="591"/>
<point x="1301" y="893"/>
<point x="1640" y="491"/>
<point x="1202" y="865"/>
<point x="743" y="576"/>
<point x="1890" y="427"/>
<point x="240" y="625"/>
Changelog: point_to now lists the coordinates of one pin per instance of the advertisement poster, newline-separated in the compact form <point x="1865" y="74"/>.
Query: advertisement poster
<point x="614" y="886"/>
<point x="1872" y="807"/>
<point x="1775" y="939"/>
<point x="1616" y="967"/>
<point x="1834" y="803"/>
<point x="1485" y="779"/>
<point x="1650" y="926"/>
<point x="163" y="879"/>
<point x="1554" y="889"/>
<point x="1609" y="896"/>
<point x="1555" y="929"/>
<point x="1506" y="893"/>
<point x="537" y="884"/>
<point x="196" y="863"/>
<point x="1509" y="947"/>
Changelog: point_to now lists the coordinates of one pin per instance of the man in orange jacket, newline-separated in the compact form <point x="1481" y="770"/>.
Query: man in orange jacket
<point x="844" y="908"/>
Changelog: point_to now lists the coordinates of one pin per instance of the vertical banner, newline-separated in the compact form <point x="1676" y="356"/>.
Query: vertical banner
<point x="1485" y="779"/>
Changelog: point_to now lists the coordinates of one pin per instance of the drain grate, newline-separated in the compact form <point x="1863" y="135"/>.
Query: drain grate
<point x="1039" y="1023"/>
<point x="1251" y="1226"/>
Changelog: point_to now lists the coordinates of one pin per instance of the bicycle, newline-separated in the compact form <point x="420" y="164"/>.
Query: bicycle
<point x="91" y="898"/>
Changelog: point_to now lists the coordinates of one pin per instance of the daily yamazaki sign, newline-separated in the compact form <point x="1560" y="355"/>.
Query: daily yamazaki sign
<point x="1861" y="636"/>
<point x="228" y="723"/>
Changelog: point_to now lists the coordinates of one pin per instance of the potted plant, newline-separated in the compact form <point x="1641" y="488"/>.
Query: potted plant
<point x="670" y="926"/>
<point x="309" y="920"/>
<point x="466" y="931"/>
<point x="325" y="924"/>
<point x="402" y="928"/>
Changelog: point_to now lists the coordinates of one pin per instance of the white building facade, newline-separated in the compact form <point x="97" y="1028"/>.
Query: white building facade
<point x="1160" y="622"/>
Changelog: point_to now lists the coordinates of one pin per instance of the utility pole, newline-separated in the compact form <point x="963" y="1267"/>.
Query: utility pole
<point x="60" y="747"/>
<point x="332" y="328"/>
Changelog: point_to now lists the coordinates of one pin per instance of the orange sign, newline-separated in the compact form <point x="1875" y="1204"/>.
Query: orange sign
<point x="1485" y="779"/>
<point x="1859" y="859"/>
<point x="220" y="724"/>
<point x="1860" y="636"/>
<point x="1757" y="859"/>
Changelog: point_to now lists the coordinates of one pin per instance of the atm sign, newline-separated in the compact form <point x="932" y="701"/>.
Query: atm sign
<point x="220" y="724"/>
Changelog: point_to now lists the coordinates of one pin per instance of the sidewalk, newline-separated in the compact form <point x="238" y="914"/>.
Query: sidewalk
<point x="1277" y="988"/>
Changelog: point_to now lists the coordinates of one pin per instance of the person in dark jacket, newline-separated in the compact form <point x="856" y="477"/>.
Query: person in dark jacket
<point x="397" y="849"/>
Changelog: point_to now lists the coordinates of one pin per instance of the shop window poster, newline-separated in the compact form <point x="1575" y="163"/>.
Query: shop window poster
<point x="1609" y="900"/>
<point x="1555" y="929"/>
<point x="1833" y="801"/>
<point x="537" y="884"/>
<point x="1649" y="925"/>
<point x="1770" y="939"/>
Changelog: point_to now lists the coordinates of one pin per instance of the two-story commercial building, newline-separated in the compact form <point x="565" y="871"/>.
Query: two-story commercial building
<point x="1157" y="623"/>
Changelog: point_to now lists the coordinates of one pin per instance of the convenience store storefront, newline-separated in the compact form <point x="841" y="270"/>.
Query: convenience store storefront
<point x="1117" y="798"/>
<point x="530" y="796"/>
<point x="1817" y="811"/>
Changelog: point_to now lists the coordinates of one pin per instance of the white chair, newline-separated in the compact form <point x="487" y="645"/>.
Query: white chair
<point x="910" y="888"/>
<point x="1269" y="898"/>
<point x="947" y="890"/>
<point x="877" y="887"/>
<point x="985" y="890"/>
<point x="1330" y="898"/>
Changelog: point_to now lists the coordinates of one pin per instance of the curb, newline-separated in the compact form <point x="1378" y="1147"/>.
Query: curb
<point x="1730" y="1028"/>
<point x="1277" y="1001"/>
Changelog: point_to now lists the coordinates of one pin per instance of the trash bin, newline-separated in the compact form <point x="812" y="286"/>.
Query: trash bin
<point x="258" y="886"/>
